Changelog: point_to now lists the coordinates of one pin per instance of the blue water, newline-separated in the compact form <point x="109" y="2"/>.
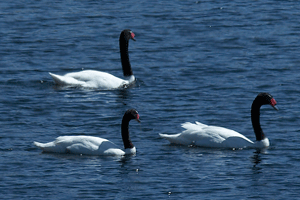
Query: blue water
<point x="194" y="60"/>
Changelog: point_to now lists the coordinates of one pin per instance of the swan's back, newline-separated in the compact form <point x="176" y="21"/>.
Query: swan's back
<point x="91" y="79"/>
<point x="208" y="136"/>
<point x="86" y="145"/>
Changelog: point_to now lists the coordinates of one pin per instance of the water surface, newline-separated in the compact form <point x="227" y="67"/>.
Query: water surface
<point x="194" y="60"/>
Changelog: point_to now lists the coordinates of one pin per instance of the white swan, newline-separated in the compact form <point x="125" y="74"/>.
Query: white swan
<point x="202" y="135"/>
<point x="89" y="145"/>
<point x="102" y="80"/>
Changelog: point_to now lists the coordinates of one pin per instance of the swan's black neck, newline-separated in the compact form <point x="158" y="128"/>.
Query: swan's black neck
<point x="123" y="42"/>
<point x="255" y="118"/>
<point x="125" y="131"/>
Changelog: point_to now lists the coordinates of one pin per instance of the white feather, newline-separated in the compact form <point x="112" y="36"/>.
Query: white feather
<point x="86" y="145"/>
<point x="92" y="79"/>
<point x="199" y="134"/>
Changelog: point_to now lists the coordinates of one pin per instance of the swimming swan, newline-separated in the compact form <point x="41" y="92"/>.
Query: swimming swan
<point x="89" y="145"/>
<point x="102" y="80"/>
<point x="202" y="135"/>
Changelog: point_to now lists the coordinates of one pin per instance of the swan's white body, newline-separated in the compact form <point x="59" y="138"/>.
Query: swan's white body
<point x="202" y="135"/>
<point x="92" y="79"/>
<point x="86" y="145"/>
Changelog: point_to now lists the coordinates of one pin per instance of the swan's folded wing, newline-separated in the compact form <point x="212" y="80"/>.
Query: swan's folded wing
<point x="223" y="137"/>
<point x="90" y="145"/>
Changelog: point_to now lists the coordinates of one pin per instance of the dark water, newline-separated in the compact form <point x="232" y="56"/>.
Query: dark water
<point x="194" y="60"/>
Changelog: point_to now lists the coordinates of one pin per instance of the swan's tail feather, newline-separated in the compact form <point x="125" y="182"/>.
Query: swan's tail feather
<point x="164" y="135"/>
<point x="175" y="139"/>
<point x="39" y="145"/>
<point x="65" y="80"/>
<point x="59" y="80"/>
<point x="50" y="147"/>
<point x="168" y="137"/>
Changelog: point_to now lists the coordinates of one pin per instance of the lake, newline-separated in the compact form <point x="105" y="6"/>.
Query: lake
<point x="194" y="61"/>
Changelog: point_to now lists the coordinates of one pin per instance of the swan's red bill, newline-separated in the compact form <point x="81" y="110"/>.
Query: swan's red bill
<point x="273" y="104"/>
<point x="132" y="36"/>
<point x="138" y="118"/>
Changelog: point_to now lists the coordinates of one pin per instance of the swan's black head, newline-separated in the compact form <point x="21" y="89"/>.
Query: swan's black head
<point x="266" y="98"/>
<point x="128" y="34"/>
<point x="132" y="114"/>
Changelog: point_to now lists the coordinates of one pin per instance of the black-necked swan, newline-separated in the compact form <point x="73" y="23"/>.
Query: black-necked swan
<point x="89" y="145"/>
<point x="202" y="135"/>
<point x="102" y="80"/>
